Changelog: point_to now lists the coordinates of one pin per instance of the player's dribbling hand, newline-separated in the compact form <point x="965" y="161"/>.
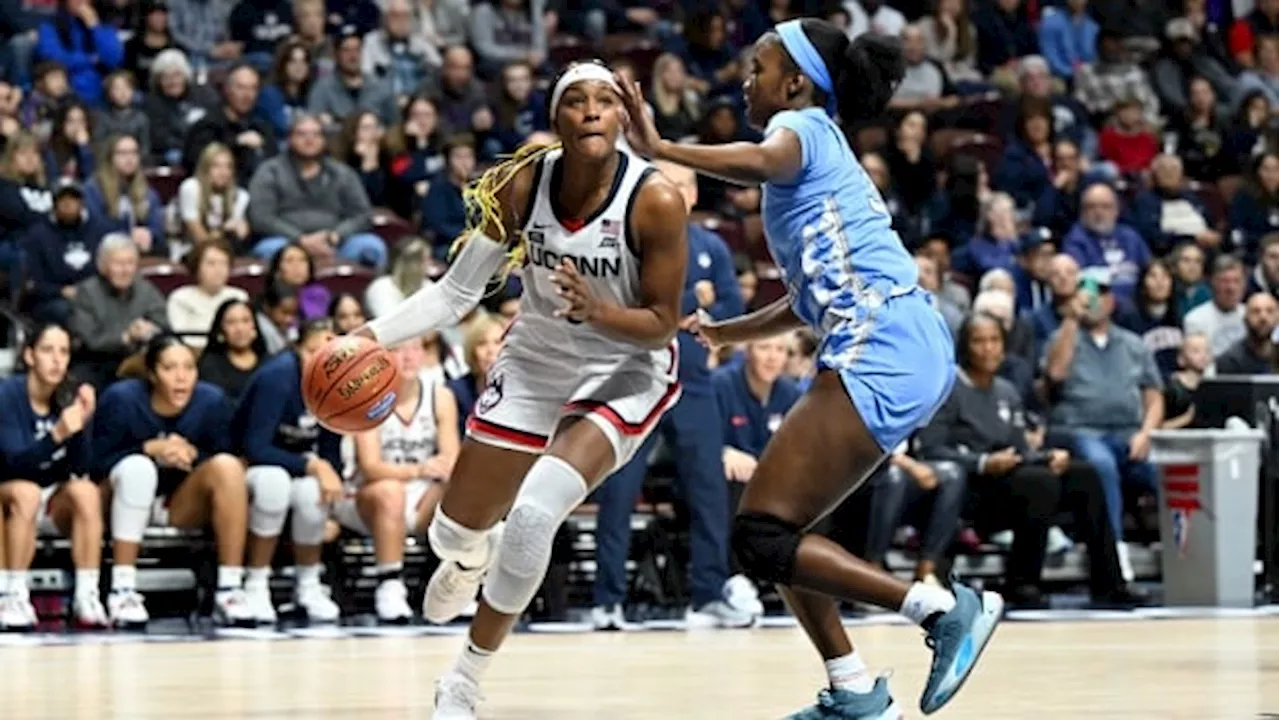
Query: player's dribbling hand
<point x="573" y="288"/>
<point x="642" y="133"/>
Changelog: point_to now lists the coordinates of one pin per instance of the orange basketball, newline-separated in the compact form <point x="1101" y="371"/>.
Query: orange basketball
<point x="350" y="385"/>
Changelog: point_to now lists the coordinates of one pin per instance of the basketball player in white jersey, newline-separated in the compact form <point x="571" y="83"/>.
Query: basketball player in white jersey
<point x="586" y="370"/>
<point x="400" y="468"/>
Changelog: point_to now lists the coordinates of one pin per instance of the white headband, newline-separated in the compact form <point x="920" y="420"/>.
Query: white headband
<point x="582" y="72"/>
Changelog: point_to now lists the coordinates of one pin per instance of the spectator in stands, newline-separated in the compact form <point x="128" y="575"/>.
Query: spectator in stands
<point x="1156" y="317"/>
<point x="1021" y="485"/>
<point x="1170" y="213"/>
<point x="675" y="102"/>
<point x="444" y="216"/>
<point x="45" y="486"/>
<point x="202" y="29"/>
<point x="174" y="104"/>
<point x="277" y="316"/>
<point x="59" y="252"/>
<point x="505" y="31"/>
<point x="25" y="199"/>
<point x="233" y="349"/>
<point x="951" y="291"/>
<point x="395" y="54"/>
<point x="233" y="124"/>
<point x="1070" y="120"/>
<point x="167" y="436"/>
<point x="459" y="97"/>
<point x="1068" y="38"/>
<point x="211" y="206"/>
<point x="1264" y="74"/>
<point x="257" y="26"/>
<point x="293" y="265"/>
<point x="481" y="341"/>
<point x="288" y="87"/>
<point x="1100" y="86"/>
<point x="1194" y="360"/>
<point x="1254" y="212"/>
<point x="1058" y="206"/>
<point x="520" y="110"/>
<point x="347" y="313"/>
<point x="191" y="308"/>
<point x="120" y="114"/>
<point x="150" y="38"/>
<point x="399" y="478"/>
<point x="1138" y="23"/>
<point x="951" y="39"/>
<point x="75" y="39"/>
<point x="441" y="22"/>
<point x="10" y="111"/>
<point x="1025" y="170"/>
<point x="1127" y="141"/>
<point x="955" y="209"/>
<point x="1222" y="318"/>
<point x="282" y="443"/>
<point x="1031" y="273"/>
<point x="408" y="273"/>
<point x="120" y="195"/>
<point x="1109" y="396"/>
<point x="360" y="146"/>
<point x="414" y="146"/>
<point x="1098" y="239"/>
<point x="935" y="491"/>
<point x="912" y="166"/>
<point x="930" y="281"/>
<point x="1266" y="275"/>
<point x="1190" y="288"/>
<point x="1005" y="34"/>
<point x="303" y="196"/>
<point x="1201" y="134"/>
<point x="996" y="243"/>
<point x="70" y="151"/>
<point x="996" y="292"/>
<point x="1183" y="60"/>
<point x="1211" y="24"/>
<point x="311" y="29"/>
<point x="1064" y="278"/>
<point x="361" y="16"/>
<point x="1253" y="129"/>
<point x="1261" y="22"/>
<point x="712" y="61"/>
<point x="50" y="92"/>
<point x="115" y="312"/>
<point x="925" y="85"/>
<point x="1255" y="353"/>
<point x="350" y="88"/>
<point x="875" y="16"/>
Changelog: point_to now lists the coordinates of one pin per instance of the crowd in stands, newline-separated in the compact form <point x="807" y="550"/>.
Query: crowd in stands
<point x="1089" y="188"/>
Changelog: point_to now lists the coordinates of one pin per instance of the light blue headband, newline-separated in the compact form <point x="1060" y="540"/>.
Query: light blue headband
<point x="808" y="60"/>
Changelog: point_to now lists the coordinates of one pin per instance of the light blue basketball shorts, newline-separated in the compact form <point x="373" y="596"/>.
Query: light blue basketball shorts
<point x="897" y="362"/>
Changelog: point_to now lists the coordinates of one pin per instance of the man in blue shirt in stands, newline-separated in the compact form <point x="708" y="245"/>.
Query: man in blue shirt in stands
<point x="692" y="431"/>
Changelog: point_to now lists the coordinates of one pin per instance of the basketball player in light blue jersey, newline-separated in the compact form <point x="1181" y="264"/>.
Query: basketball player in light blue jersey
<point x="885" y="361"/>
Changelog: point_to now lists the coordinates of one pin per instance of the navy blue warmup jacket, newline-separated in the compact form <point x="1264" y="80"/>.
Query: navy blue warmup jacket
<point x="26" y="441"/>
<point x="748" y="423"/>
<point x="709" y="259"/>
<point x="125" y="420"/>
<point x="271" y="425"/>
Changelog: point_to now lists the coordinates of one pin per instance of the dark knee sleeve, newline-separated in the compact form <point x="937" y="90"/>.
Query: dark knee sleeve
<point x="766" y="547"/>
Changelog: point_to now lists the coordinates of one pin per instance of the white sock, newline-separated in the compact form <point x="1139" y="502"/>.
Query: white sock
<point x="923" y="601"/>
<point x="18" y="584"/>
<point x="257" y="579"/>
<point x="4" y="581"/>
<point x="850" y="673"/>
<point x="472" y="662"/>
<point x="307" y="575"/>
<point x="386" y="570"/>
<point x="87" y="582"/>
<point x="230" y="577"/>
<point x="124" y="578"/>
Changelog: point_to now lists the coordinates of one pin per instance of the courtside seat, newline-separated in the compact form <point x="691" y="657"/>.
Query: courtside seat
<point x="249" y="275"/>
<point x="166" y="276"/>
<point x="165" y="180"/>
<point x="391" y="227"/>
<point x="345" y="278"/>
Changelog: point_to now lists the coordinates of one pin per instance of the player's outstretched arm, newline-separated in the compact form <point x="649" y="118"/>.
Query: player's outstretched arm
<point x="771" y="320"/>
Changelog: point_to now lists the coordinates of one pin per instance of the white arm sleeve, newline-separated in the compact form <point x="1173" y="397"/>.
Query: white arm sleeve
<point x="444" y="303"/>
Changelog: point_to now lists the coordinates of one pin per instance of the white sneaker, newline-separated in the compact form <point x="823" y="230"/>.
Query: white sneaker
<point x="1057" y="542"/>
<point x="14" y="614"/>
<point x="258" y="600"/>
<point x="718" y="614"/>
<point x="456" y="698"/>
<point x="741" y="593"/>
<point x="609" y="617"/>
<point x="1126" y="566"/>
<point x="452" y="588"/>
<point x="127" y="610"/>
<point x="314" y="601"/>
<point x="391" y="603"/>
<point x="231" y="609"/>
<point x="88" y="612"/>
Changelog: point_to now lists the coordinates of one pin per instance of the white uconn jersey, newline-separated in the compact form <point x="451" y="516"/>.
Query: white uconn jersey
<point x="413" y="441"/>
<point x="603" y="251"/>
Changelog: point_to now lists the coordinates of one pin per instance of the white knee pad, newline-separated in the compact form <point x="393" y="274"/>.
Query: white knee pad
<point x="453" y="542"/>
<point x="308" y="514"/>
<point x="133" y="481"/>
<point x="269" y="493"/>
<point x="551" y="490"/>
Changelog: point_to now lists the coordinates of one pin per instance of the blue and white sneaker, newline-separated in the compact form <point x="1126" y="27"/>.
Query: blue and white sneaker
<point x="957" y="640"/>
<point x="847" y="705"/>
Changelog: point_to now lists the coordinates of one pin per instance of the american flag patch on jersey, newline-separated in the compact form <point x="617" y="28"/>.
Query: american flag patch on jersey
<point x="610" y="227"/>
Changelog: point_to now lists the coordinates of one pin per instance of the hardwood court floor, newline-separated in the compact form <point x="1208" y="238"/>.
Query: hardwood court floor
<point x="1157" y="670"/>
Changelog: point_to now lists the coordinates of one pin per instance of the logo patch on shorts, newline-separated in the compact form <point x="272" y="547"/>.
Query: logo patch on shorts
<point x="383" y="407"/>
<point x="491" y="396"/>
